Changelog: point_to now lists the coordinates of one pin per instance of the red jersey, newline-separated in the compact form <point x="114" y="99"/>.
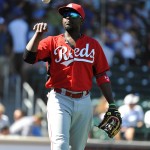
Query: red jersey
<point x="72" y="69"/>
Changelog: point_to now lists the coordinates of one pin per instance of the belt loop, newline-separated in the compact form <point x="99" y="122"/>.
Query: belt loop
<point x="84" y="93"/>
<point x="63" y="91"/>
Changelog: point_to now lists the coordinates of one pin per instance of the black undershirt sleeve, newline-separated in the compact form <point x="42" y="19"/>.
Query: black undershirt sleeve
<point x="29" y="57"/>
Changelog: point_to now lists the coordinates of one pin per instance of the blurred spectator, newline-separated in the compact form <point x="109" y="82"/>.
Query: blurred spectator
<point x="109" y="40"/>
<point x="147" y="119"/>
<point x="147" y="5"/>
<point x="132" y="117"/>
<point x="18" y="29"/>
<point x="4" y="120"/>
<point x="128" y="51"/>
<point x="110" y="36"/>
<point x="4" y="6"/>
<point x="88" y="22"/>
<point x="27" y="126"/>
<point x="147" y="124"/>
<point x="18" y="114"/>
<point x="137" y="22"/>
<point x="119" y="21"/>
<point x="5" y="47"/>
<point x="142" y="11"/>
<point x="147" y="52"/>
<point x="100" y="106"/>
<point x="54" y="21"/>
<point x="5" y="44"/>
<point x="4" y="130"/>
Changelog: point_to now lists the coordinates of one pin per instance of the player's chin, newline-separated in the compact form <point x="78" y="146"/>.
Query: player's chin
<point x="68" y="28"/>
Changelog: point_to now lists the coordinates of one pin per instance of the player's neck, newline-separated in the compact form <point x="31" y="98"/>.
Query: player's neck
<point x="71" y="40"/>
<point x="73" y="36"/>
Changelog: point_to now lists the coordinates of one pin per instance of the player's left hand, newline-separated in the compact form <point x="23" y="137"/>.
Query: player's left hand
<point x="112" y="121"/>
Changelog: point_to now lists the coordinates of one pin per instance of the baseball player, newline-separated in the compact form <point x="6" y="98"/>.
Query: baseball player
<point x="72" y="60"/>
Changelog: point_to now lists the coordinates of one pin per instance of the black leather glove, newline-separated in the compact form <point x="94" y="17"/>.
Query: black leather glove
<point x="111" y="122"/>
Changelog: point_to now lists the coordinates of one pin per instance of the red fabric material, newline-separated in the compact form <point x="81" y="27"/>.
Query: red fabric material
<point x="72" y="69"/>
<point x="102" y="79"/>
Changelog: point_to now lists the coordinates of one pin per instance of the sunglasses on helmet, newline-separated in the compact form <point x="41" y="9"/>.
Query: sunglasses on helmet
<point x="71" y="15"/>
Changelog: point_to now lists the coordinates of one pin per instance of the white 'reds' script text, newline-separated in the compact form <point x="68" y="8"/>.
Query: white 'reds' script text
<point x="68" y="56"/>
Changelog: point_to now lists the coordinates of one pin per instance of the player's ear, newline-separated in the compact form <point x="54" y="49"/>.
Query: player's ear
<point x="82" y="21"/>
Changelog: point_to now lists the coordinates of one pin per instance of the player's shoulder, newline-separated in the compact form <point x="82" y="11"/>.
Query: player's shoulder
<point x="53" y="38"/>
<point x="89" y="38"/>
<point x="92" y="41"/>
<point x="56" y="38"/>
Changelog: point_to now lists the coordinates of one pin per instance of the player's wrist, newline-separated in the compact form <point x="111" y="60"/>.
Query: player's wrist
<point x="112" y="105"/>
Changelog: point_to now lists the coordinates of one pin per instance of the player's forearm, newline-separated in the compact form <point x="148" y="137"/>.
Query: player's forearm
<point x="30" y="53"/>
<point x="107" y="92"/>
<point x="33" y="43"/>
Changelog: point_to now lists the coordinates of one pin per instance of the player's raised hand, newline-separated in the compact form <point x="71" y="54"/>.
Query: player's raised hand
<point x="40" y="27"/>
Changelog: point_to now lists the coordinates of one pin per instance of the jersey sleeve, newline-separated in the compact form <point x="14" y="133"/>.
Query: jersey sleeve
<point x="100" y="62"/>
<point x="44" y="49"/>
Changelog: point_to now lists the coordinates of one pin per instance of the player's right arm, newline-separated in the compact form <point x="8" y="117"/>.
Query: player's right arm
<point x="39" y="29"/>
<point x="32" y="46"/>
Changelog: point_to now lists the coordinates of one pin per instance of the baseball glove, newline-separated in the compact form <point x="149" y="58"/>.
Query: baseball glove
<point x="111" y="123"/>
